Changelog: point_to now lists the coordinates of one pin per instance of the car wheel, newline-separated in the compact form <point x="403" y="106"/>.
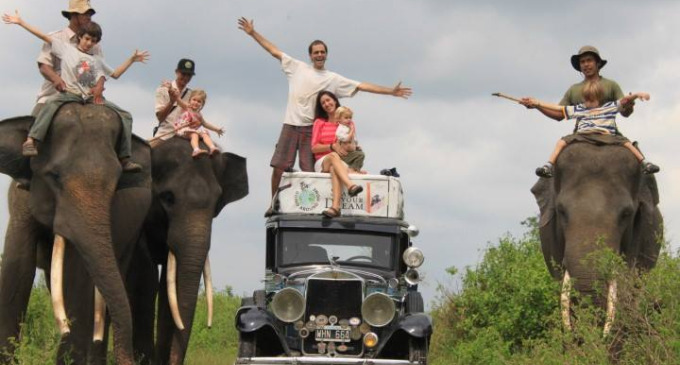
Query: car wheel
<point x="414" y="303"/>
<point x="247" y="346"/>
<point x="417" y="351"/>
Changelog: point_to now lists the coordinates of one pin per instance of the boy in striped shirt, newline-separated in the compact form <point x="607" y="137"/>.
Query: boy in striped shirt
<point x="592" y="118"/>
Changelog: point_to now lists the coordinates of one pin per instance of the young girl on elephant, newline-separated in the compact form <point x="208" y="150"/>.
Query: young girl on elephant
<point x="595" y="123"/>
<point x="191" y="125"/>
<point x="84" y="76"/>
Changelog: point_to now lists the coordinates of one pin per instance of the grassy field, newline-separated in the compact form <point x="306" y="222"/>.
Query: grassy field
<point x="506" y="311"/>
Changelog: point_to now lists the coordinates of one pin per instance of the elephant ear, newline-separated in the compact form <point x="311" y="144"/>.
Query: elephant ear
<point x="233" y="178"/>
<point x="648" y="225"/>
<point x="545" y="198"/>
<point x="552" y="241"/>
<point x="13" y="132"/>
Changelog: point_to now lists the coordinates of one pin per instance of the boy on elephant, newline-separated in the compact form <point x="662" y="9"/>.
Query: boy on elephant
<point x="595" y="123"/>
<point x="81" y="72"/>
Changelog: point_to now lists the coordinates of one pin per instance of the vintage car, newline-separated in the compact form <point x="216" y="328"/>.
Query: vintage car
<point x="336" y="291"/>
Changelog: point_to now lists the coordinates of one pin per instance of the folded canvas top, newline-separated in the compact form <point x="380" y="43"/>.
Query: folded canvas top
<point x="311" y="193"/>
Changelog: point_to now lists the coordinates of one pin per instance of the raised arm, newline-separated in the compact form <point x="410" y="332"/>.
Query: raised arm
<point x="248" y="27"/>
<point x="628" y="99"/>
<point x="212" y="127"/>
<point x="16" y="19"/>
<point x="552" y="111"/>
<point x="397" y="90"/>
<point x="138" y="56"/>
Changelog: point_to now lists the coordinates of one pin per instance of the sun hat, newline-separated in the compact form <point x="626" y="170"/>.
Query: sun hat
<point x="575" y="59"/>
<point x="186" y="66"/>
<point x="77" y="6"/>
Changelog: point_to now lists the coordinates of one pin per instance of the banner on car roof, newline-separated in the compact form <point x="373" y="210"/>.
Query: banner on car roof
<point x="311" y="193"/>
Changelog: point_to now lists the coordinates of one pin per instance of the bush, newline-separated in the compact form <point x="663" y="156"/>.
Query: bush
<point x="507" y="312"/>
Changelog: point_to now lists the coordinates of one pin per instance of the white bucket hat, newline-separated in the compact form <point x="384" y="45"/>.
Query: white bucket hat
<point x="77" y="6"/>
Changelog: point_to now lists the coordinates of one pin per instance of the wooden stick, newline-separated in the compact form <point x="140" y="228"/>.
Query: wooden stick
<point x="501" y="95"/>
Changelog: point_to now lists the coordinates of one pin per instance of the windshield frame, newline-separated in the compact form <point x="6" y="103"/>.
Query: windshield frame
<point x="337" y="241"/>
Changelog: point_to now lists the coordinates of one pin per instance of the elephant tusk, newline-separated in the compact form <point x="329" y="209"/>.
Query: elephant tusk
<point x="611" y="307"/>
<point x="172" y="290"/>
<point x="56" y="284"/>
<point x="565" y="300"/>
<point x="207" y="280"/>
<point x="99" y="313"/>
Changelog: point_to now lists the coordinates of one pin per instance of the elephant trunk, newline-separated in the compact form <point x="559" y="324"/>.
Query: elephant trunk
<point x="83" y="217"/>
<point x="580" y="255"/>
<point x="189" y="239"/>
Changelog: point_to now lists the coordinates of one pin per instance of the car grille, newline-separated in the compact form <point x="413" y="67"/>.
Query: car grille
<point x="341" y="298"/>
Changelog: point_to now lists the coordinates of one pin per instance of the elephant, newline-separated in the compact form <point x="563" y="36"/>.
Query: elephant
<point x="187" y="194"/>
<point x="79" y="195"/>
<point x="598" y="193"/>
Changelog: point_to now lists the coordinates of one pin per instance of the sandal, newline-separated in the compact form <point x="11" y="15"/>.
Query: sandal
<point x="354" y="190"/>
<point x="214" y="151"/>
<point x="650" y="168"/>
<point x="331" y="213"/>
<point x="28" y="149"/>
<point x="198" y="152"/>
<point x="545" y="171"/>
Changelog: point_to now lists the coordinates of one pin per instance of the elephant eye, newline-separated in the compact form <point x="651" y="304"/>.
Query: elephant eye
<point x="167" y="197"/>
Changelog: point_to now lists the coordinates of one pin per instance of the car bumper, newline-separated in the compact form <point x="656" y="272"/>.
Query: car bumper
<point x="309" y="360"/>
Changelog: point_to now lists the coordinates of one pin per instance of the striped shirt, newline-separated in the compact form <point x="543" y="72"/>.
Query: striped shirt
<point x="323" y="132"/>
<point x="594" y="120"/>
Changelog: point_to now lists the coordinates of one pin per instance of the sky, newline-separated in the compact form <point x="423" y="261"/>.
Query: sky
<point x="466" y="159"/>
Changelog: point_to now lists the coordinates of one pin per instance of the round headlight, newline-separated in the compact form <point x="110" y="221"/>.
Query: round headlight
<point x="378" y="309"/>
<point x="412" y="231"/>
<point x="288" y="305"/>
<point x="413" y="257"/>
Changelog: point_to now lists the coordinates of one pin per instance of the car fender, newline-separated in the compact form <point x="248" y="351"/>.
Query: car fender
<point x="253" y="319"/>
<point x="418" y="325"/>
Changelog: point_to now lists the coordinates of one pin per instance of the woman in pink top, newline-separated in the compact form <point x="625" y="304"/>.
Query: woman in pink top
<point x="328" y="153"/>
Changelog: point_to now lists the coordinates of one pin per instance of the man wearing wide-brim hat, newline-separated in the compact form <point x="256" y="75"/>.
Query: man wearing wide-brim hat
<point x="78" y="14"/>
<point x="589" y="62"/>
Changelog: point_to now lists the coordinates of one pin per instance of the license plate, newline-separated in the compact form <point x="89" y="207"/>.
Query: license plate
<point x="332" y="333"/>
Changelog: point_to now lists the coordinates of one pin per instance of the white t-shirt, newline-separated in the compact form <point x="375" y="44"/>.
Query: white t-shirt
<point x="304" y="83"/>
<point x="80" y="71"/>
<point x="48" y="58"/>
<point x="162" y="99"/>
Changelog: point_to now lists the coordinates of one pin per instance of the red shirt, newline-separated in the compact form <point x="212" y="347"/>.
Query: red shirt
<point x="323" y="132"/>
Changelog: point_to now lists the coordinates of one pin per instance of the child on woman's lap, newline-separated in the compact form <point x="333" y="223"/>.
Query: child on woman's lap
<point x="346" y="138"/>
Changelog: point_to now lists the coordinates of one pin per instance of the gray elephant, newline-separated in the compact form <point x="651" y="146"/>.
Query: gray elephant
<point x="187" y="194"/>
<point x="78" y="195"/>
<point x="598" y="193"/>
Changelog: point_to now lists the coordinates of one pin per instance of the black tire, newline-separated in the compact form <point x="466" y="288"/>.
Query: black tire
<point x="417" y="351"/>
<point x="247" y="345"/>
<point x="414" y="303"/>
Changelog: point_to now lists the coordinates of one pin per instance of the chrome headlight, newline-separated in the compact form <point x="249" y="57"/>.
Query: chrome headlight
<point x="378" y="309"/>
<point x="288" y="305"/>
<point x="412" y="231"/>
<point x="413" y="257"/>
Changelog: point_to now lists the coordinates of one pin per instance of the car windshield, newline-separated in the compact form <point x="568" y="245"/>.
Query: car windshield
<point x="298" y="247"/>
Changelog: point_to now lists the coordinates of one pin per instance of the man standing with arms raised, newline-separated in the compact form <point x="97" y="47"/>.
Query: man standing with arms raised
<point x="304" y="83"/>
